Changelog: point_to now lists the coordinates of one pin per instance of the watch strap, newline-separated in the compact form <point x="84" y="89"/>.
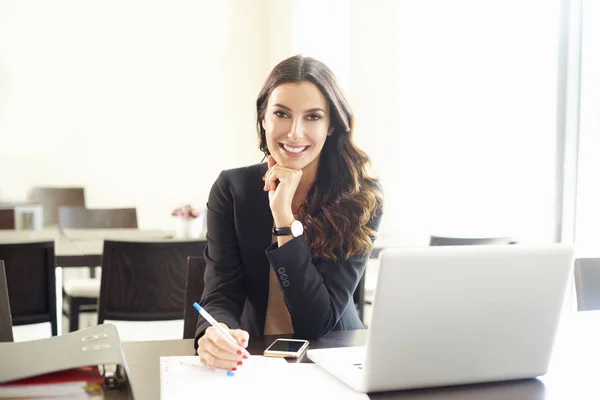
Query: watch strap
<point x="286" y="231"/>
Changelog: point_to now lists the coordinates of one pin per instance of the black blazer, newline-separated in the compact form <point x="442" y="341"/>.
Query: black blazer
<point x="318" y="293"/>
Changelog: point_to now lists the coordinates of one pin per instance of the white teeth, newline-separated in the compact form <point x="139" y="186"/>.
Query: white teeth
<point x="294" y="149"/>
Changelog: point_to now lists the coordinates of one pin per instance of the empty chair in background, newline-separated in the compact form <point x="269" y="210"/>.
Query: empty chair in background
<point x="30" y="277"/>
<point x="587" y="283"/>
<point x="51" y="198"/>
<point x="194" y="286"/>
<point x="6" y="334"/>
<point x="359" y="298"/>
<point x="80" y="295"/>
<point x="457" y="241"/>
<point x="86" y="218"/>
<point x="145" y="281"/>
<point x="7" y="218"/>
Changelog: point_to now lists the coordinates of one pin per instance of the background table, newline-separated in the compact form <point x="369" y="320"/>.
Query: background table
<point x="83" y="247"/>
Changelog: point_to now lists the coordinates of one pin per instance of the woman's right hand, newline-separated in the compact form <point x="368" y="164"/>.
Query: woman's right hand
<point x="216" y="351"/>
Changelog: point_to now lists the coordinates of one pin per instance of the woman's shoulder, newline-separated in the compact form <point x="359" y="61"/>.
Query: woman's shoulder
<point x="246" y="172"/>
<point x="243" y="174"/>
<point x="239" y="178"/>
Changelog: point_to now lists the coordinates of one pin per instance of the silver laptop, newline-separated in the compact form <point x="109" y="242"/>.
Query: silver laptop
<point x="457" y="315"/>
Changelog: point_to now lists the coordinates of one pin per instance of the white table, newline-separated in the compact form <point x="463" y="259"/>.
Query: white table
<point x="83" y="247"/>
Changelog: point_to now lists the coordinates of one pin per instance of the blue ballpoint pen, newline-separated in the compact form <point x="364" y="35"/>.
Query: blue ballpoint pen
<point x="214" y="323"/>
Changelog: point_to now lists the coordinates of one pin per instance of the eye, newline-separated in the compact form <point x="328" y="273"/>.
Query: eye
<point x="280" y="114"/>
<point x="313" y="117"/>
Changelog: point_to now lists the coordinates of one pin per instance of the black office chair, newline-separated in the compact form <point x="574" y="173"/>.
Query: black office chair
<point x="194" y="286"/>
<point x="80" y="295"/>
<point x="7" y="218"/>
<point x="144" y="281"/>
<point x="30" y="278"/>
<point x="587" y="283"/>
<point x="74" y="217"/>
<point x="6" y="334"/>
<point x="359" y="298"/>
<point x="457" y="241"/>
<point x="51" y="198"/>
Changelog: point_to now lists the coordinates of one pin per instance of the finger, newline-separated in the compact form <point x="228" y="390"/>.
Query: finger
<point x="241" y="336"/>
<point x="279" y="175"/>
<point x="271" y="162"/>
<point x="210" y="361"/>
<point x="270" y="194"/>
<point x="220" y="354"/>
<point x="271" y="179"/>
<point x="220" y="340"/>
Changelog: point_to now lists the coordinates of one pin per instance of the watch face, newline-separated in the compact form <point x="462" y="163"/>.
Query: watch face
<point x="297" y="228"/>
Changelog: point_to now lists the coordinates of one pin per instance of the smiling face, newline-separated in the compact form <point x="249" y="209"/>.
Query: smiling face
<point x="296" y="124"/>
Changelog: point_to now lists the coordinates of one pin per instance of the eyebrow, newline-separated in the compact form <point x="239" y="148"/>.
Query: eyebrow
<point x="307" y="111"/>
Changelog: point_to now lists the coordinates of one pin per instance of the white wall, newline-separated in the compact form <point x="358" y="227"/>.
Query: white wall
<point x="373" y="96"/>
<point x="474" y="142"/>
<point x="452" y="107"/>
<point x="141" y="102"/>
<point x="144" y="102"/>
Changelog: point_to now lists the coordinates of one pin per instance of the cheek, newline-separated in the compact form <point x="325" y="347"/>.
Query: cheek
<point x="318" y="134"/>
<point x="275" y="127"/>
<point x="273" y="131"/>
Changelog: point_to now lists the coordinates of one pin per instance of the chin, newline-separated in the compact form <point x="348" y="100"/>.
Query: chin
<point x="294" y="164"/>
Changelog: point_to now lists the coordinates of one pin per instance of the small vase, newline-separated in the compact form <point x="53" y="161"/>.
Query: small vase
<point x="189" y="228"/>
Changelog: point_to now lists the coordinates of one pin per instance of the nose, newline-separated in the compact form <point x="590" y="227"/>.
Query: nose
<point x="297" y="131"/>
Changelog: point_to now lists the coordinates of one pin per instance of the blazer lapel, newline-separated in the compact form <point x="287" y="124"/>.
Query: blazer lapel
<point x="264" y="218"/>
<point x="260" y="235"/>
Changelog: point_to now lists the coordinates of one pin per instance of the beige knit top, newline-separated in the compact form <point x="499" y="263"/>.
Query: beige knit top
<point x="277" y="320"/>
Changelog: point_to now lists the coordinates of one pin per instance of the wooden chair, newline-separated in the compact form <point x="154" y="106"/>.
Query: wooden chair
<point x="30" y="277"/>
<point x="52" y="198"/>
<point x="85" y="218"/>
<point x="587" y="283"/>
<point x="80" y="295"/>
<point x="7" y="218"/>
<point x="6" y="334"/>
<point x="456" y="241"/>
<point x="144" y="281"/>
<point x="194" y="286"/>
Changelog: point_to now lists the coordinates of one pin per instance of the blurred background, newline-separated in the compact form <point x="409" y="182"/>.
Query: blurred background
<point x="480" y="117"/>
<point x="471" y="111"/>
<point x="467" y="108"/>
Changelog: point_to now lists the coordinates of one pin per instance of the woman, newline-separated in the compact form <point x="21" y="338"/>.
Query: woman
<point x="288" y="240"/>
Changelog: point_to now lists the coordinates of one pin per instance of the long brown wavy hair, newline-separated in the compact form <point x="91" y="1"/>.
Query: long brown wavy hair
<point x="343" y="199"/>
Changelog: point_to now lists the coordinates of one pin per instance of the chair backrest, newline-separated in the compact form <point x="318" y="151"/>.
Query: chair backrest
<point x="7" y="218"/>
<point x="30" y="277"/>
<point x="85" y="218"/>
<point x="52" y="198"/>
<point x="194" y="286"/>
<point x="144" y="281"/>
<point x="587" y="283"/>
<point x="455" y="241"/>
<point x="359" y="297"/>
<point x="6" y="334"/>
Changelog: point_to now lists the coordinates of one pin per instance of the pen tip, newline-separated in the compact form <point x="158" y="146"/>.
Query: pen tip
<point x="230" y="373"/>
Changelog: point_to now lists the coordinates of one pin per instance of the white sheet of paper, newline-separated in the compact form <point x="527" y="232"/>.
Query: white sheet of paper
<point x="260" y="377"/>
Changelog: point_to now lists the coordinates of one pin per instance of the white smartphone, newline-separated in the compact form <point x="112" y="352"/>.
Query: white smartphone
<point x="291" y="348"/>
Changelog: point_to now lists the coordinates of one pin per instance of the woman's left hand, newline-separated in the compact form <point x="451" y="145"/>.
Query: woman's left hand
<point x="281" y="182"/>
